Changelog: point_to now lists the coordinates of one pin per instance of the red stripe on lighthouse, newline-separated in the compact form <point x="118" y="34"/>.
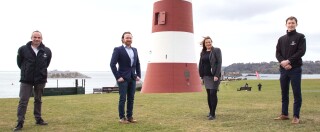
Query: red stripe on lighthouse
<point x="177" y="16"/>
<point x="171" y="78"/>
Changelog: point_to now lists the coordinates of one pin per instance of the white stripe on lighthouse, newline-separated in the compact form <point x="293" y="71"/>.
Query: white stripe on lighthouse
<point x="172" y="47"/>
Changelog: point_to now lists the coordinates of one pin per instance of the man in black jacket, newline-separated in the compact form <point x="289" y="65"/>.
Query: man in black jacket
<point x="289" y="51"/>
<point x="33" y="60"/>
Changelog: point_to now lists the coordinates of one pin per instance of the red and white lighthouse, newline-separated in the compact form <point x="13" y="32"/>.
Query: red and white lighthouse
<point x="172" y="67"/>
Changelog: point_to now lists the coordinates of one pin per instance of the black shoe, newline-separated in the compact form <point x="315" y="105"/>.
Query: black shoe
<point x="211" y="117"/>
<point x="208" y="115"/>
<point x="41" y="122"/>
<point x="19" y="126"/>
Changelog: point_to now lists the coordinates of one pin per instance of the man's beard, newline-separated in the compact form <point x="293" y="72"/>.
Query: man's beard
<point x="128" y="42"/>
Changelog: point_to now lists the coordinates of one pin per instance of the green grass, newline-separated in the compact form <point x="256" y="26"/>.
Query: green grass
<point x="179" y="112"/>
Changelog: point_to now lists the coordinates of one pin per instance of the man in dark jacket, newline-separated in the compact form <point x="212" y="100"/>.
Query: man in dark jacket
<point x="289" y="51"/>
<point x="126" y="75"/>
<point x="33" y="60"/>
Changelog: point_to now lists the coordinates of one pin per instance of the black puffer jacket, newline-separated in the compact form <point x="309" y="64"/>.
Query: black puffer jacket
<point x="292" y="47"/>
<point x="33" y="67"/>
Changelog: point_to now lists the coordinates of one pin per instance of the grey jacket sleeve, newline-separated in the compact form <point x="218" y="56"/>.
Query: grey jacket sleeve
<point x="216" y="62"/>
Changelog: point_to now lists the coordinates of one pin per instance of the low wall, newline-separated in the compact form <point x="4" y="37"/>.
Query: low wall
<point x="63" y="91"/>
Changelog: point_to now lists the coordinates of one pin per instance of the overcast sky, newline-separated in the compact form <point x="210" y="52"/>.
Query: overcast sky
<point x="83" y="33"/>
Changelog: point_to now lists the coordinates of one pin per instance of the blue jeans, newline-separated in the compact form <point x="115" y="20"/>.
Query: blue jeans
<point x="293" y="76"/>
<point x="127" y="90"/>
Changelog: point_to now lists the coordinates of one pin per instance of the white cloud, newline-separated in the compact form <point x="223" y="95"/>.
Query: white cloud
<point x="82" y="34"/>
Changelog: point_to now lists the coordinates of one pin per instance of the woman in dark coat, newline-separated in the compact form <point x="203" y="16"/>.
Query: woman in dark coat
<point x="210" y="73"/>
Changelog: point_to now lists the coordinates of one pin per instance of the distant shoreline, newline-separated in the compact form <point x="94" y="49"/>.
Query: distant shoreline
<point x="66" y="74"/>
<point x="145" y="72"/>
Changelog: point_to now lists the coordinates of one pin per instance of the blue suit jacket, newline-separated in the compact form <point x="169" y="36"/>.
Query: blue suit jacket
<point x="125" y="70"/>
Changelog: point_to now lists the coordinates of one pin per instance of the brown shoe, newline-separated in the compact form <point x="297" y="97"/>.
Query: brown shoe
<point x="295" y="120"/>
<point x="131" y="120"/>
<point x="123" y="121"/>
<point x="282" y="117"/>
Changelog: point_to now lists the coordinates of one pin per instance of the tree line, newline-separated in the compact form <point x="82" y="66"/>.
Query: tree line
<point x="309" y="67"/>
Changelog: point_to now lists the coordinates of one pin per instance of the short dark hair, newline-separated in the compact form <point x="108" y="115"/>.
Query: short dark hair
<point x="36" y="31"/>
<point x="292" y="18"/>
<point x="122" y="37"/>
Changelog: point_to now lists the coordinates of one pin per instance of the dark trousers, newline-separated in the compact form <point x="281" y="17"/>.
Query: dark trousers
<point x="212" y="101"/>
<point x="127" y="90"/>
<point x="25" y="93"/>
<point x="293" y="76"/>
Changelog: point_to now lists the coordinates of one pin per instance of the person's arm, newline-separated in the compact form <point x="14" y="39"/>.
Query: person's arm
<point x="200" y="68"/>
<point x="219" y="62"/>
<point x="19" y="58"/>
<point x="283" y="62"/>
<point x="49" y="57"/>
<point x="138" y="69"/>
<point x="113" y="63"/>
<point x="278" y="52"/>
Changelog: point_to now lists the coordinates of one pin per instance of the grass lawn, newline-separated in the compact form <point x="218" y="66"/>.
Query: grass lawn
<point x="236" y="111"/>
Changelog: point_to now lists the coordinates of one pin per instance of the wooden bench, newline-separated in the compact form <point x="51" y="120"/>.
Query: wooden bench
<point x="244" y="88"/>
<point x="97" y="90"/>
<point x="110" y="89"/>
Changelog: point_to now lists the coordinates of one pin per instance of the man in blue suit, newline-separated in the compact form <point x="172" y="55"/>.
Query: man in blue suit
<point x="127" y="73"/>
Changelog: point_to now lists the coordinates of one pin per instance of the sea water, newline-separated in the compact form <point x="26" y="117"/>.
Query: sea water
<point x="10" y="85"/>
